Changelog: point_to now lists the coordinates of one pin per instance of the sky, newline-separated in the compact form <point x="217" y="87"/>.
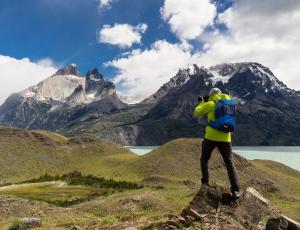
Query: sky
<point x="141" y="44"/>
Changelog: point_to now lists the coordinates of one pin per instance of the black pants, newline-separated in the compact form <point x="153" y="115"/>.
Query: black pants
<point x="226" y="152"/>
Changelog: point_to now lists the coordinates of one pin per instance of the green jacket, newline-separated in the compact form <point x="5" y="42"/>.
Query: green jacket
<point x="209" y="108"/>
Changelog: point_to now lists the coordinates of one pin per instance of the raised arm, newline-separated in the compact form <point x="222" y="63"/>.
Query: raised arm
<point x="203" y="108"/>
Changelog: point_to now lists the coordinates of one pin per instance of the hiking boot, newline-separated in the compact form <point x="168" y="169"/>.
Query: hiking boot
<point x="236" y="194"/>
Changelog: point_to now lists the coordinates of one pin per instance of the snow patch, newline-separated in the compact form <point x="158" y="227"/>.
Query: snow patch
<point x="128" y="99"/>
<point x="219" y="78"/>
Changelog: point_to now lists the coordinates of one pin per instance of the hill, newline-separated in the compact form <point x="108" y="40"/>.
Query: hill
<point x="25" y="155"/>
<point x="170" y="175"/>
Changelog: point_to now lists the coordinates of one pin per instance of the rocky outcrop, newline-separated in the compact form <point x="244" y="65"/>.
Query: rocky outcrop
<point x="213" y="208"/>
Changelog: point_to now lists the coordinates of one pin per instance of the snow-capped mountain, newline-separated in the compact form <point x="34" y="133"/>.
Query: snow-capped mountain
<point x="60" y="95"/>
<point x="268" y="111"/>
<point x="67" y="102"/>
<point x="68" y="86"/>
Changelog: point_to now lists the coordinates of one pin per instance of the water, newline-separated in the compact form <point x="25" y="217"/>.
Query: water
<point x="288" y="155"/>
<point x="141" y="150"/>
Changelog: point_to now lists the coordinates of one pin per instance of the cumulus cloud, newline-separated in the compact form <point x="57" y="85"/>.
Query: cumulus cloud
<point x="141" y="73"/>
<point x="188" y="18"/>
<point x="262" y="31"/>
<point x="18" y="74"/>
<point x="122" y="35"/>
<point x="266" y="31"/>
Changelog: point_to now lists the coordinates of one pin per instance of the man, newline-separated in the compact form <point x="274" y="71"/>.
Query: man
<point x="216" y="138"/>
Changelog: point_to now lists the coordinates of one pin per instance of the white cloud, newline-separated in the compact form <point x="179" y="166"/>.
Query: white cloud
<point x="188" y="18"/>
<point x="18" y="74"/>
<point x="266" y="31"/>
<point x="105" y="3"/>
<point x="141" y="73"/>
<point x="122" y="35"/>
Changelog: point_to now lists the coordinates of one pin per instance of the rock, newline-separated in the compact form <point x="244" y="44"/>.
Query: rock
<point x="173" y="223"/>
<point x="277" y="224"/>
<point x="169" y="227"/>
<point x="191" y="212"/>
<point x="207" y="199"/>
<point x="74" y="227"/>
<point x="250" y="208"/>
<point x="27" y="223"/>
<point x="213" y="209"/>
<point x="131" y="228"/>
<point x="184" y="221"/>
<point x="292" y="224"/>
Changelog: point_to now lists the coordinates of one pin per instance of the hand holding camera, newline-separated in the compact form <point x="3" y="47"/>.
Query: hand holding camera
<point x="205" y="98"/>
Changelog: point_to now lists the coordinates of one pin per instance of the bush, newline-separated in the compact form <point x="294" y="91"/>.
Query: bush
<point x="76" y="178"/>
<point x="16" y="225"/>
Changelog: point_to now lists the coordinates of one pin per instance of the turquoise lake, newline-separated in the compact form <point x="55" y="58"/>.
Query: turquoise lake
<point x="288" y="155"/>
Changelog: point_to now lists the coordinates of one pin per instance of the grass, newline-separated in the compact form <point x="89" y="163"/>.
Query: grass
<point x="66" y="190"/>
<point x="24" y="156"/>
<point x="288" y="197"/>
<point x="57" y="193"/>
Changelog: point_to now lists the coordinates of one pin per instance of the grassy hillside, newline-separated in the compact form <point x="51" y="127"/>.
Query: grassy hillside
<point x="26" y="155"/>
<point x="170" y="175"/>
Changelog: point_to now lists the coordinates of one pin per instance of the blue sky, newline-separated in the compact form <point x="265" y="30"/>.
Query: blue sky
<point x="141" y="44"/>
<point x="66" y="31"/>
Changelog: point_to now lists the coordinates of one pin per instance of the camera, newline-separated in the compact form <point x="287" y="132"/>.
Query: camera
<point x="205" y="98"/>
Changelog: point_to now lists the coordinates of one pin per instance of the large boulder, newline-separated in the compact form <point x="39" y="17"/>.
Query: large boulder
<point x="214" y="208"/>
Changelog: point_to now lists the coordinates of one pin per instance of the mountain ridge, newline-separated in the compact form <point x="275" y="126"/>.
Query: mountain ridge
<point x="92" y="106"/>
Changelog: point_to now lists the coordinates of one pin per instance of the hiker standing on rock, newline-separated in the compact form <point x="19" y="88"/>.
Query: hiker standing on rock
<point x="220" y="111"/>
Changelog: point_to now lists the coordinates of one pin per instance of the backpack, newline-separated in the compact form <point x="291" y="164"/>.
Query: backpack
<point x="224" y="116"/>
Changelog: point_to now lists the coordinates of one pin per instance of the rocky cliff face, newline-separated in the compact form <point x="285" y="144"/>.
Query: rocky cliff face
<point x="61" y="99"/>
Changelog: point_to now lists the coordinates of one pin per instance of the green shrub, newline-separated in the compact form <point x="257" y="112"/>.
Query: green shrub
<point x="76" y="178"/>
<point x="16" y="225"/>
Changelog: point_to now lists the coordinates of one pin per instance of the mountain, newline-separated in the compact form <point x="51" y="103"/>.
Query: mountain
<point x="268" y="112"/>
<point x="62" y="99"/>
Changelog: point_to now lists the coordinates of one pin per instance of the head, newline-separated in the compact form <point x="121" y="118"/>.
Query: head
<point x="214" y="91"/>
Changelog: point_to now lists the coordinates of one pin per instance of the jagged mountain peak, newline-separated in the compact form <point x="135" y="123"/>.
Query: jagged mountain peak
<point x="94" y="73"/>
<point x="69" y="70"/>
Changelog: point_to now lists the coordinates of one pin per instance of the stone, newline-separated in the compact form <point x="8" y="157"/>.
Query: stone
<point x="31" y="223"/>
<point x="250" y="208"/>
<point x="277" y="224"/>
<point x="292" y="224"/>
<point x="173" y="223"/>
<point x="207" y="199"/>
<point x="74" y="227"/>
<point x="191" y="212"/>
<point x="184" y="221"/>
